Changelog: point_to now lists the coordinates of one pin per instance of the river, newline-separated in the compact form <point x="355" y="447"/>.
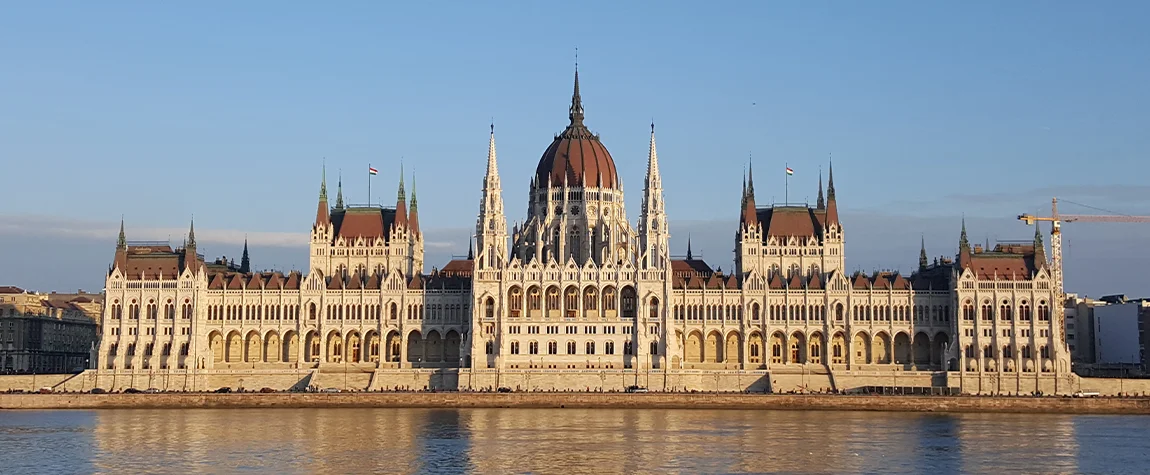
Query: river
<point x="564" y="441"/>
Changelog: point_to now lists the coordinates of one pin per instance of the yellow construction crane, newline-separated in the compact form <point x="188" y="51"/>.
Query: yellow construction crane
<point x="1056" y="221"/>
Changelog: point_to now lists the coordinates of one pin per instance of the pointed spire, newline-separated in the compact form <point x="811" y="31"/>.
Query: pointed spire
<point x="743" y="203"/>
<point x="321" y="213"/>
<point x="245" y="263"/>
<point x="191" y="234"/>
<point x="820" y="204"/>
<point x="323" y="183"/>
<point x="689" y="254"/>
<point x="470" y="248"/>
<point x="750" y="177"/>
<point x="831" y="204"/>
<point x="576" y="111"/>
<point x="413" y="216"/>
<point x="831" y="182"/>
<point x="653" y="161"/>
<point x="339" y="192"/>
<point x="492" y="166"/>
<point x="401" y="202"/>
<point x="922" y="260"/>
<point x="750" y="216"/>
<point x="122" y="241"/>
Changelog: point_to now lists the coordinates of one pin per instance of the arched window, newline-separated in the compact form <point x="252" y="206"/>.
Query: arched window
<point x="590" y="347"/>
<point x="654" y="315"/>
<point x="571" y="301"/>
<point x="654" y="348"/>
<point x="987" y="312"/>
<point x="629" y="302"/>
<point x="533" y="299"/>
<point x="1043" y="311"/>
<point x="967" y="311"/>
<point x="489" y="308"/>
<point x="1024" y="311"/>
<point x="552" y="298"/>
<point x="490" y="347"/>
<point x="533" y="347"/>
<point x="515" y="301"/>
<point x="755" y="311"/>
<point x="608" y="299"/>
<point x="570" y="347"/>
<point x="394" y="314"/>
<point x="609" y="348"/>
<point x="515" y="347"/>
<point x="1005" y="311"/>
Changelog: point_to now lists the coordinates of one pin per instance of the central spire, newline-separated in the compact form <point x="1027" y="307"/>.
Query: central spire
<point x="576" y="111"/>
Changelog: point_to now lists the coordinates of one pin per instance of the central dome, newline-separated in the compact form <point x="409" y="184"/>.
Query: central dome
<point x="576" y="157"/>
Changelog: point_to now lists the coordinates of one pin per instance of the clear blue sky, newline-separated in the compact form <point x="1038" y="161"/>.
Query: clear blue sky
<point x="162" y="111"/>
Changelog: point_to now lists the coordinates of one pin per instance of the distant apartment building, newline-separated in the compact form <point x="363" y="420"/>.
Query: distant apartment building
<point x="1120" y="332"/>
<point x="1080" y="327"/>
<point x="47" y="333"/>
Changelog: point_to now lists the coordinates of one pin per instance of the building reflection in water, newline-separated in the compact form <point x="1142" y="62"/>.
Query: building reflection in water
<point x="604" y="441"/>
<point x="1007" y="443"/>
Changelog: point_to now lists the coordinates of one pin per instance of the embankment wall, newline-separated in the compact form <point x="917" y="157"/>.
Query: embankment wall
<point x="567" y="380"/>
<point x="985" y="404"/>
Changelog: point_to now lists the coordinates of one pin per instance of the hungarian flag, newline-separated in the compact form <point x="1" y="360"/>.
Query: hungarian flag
<point x="372" y="171"/>
<point x="789" y="171"/>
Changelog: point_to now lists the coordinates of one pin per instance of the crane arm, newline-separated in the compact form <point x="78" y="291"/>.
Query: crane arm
<point x="1104" y="219"/>
<point x="1085" y="218"/>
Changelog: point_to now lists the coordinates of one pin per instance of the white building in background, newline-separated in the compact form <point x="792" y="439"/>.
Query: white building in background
<point x="1119" y="332"/>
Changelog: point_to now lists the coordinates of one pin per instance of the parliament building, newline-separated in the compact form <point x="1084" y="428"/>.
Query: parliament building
<point x="580" y="297"/>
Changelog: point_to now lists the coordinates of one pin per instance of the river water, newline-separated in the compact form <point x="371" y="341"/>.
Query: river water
<point x="564" y="441"/>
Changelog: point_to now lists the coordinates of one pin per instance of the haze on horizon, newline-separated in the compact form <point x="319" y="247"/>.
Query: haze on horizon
<point x="160" y="112"/>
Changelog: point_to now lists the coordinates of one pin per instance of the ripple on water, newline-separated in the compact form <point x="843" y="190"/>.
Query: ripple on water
<point x="563" y="440"/>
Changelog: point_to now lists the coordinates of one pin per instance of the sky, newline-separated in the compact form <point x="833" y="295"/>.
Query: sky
<point x="158" y="112"/>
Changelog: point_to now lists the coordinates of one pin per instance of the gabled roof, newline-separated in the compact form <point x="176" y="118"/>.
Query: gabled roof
<point x="366" y="222"/>
<point x="236" y="282"/>
<point x="293" y="281"/>
<point x="254" y="282"/>
<point x="1008" y="261"/>
<point x="816" y="283"/>
<point x="787" y="221"/>
<point x="458" y="268"/>
<point x="776" y="282"/>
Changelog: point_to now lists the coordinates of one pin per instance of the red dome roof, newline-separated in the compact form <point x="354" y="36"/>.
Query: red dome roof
<point x="576" y="155"/>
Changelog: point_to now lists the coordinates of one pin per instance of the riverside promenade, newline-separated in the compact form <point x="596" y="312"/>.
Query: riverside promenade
<point x="964" y="404"/>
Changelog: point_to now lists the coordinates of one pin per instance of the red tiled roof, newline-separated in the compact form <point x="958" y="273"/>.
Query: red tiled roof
<point x="9" y="289"/>
<point x="787" y="221"/>
<point x="357" y="224"/>
<point x="293" y="281"/>
<point x="458" y="268"/>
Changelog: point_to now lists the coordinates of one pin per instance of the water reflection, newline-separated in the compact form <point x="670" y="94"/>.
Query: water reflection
<point x="564" y="441"/>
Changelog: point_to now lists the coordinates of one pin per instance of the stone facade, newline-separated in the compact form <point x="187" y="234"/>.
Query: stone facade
<point x="576" y="293"/>
<point x="46" y="333"/>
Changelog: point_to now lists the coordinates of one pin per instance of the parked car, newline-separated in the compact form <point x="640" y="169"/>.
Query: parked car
<point x="504" y="390"/>
<point x="98" y="391"/>
<point x="224" y="389"/>
<point x="267" y="390"/>
<point x="330" y="390"/>
<point x="636" y="389"/>
<point x="132" y="391"/>
<point x="45" y="390"/>
<point x="152" y="390"/>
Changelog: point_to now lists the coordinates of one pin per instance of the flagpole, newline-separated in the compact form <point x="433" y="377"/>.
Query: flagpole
<point x="786" y="185"/>
<point x="369" y="183"/>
